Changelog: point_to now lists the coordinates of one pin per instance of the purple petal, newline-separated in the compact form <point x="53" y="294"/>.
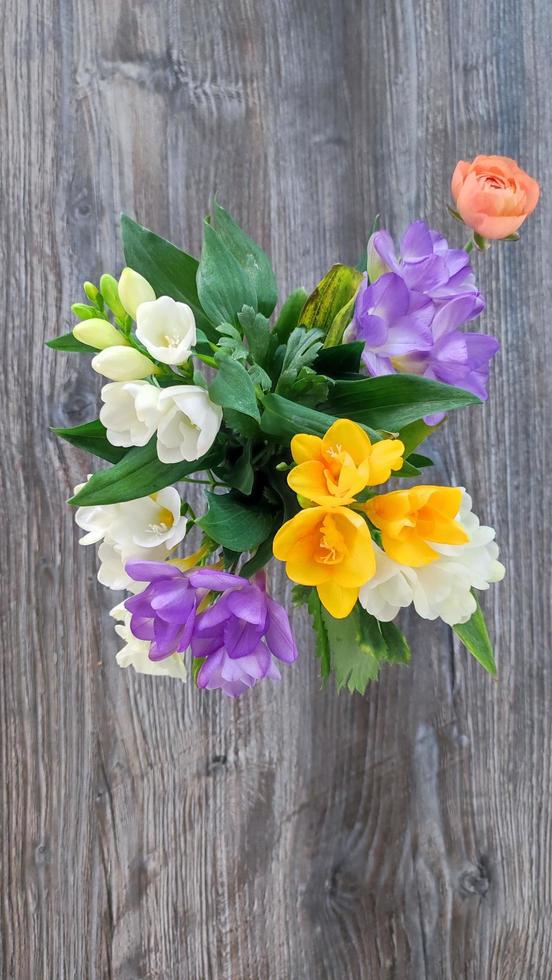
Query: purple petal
<point x="279" y="637"/>
<point x="249" y="604"/>
<point x="387" y="298"/>
<point x="416" y="242"/>
<point x="150" y="571"/>
<point x="382" y="243"/>
<point x="454" y="313"/>
<point x="241" y="637"/>
<point x="173" y="601"/>
<point x="208" y="578"/>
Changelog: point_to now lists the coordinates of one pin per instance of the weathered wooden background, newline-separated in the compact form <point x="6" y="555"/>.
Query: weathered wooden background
<point x="149" y="832"/>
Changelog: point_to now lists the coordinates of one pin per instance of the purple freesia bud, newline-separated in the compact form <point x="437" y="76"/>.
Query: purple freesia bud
<point x="239" y="635"/>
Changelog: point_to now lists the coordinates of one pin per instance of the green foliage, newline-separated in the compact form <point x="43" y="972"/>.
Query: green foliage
<point x="288" y="317"/>
<point x="283" y="419"/>
<point x="393" y="400"/>
<point x="413" y="434"/>
<point x="169" y="270"/>
<point x="236" y="523"/>
<point x="138" y="474"/>
<point x="236" y="470"/>
<point x="341" y="360"/>
<point x="261" y="557"/>
<point x="322" y="643"/>
<point x="251" y="258"/>
<point x="233" y="388"/>
<point x="297" y="379"/>
<point x="475" y="637"/>
<point x="329" y="297"/>
<point x="257" y="333"/>
<point x="70" y="345"/>
<point x="92" y="437"/>
<point x="233" y="271"/>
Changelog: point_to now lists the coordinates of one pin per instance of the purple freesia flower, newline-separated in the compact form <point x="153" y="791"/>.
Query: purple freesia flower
<point x="240" y="634"/>
<point x="426" y="263"/>
<point x="409" y="314"/>
<point x="165" y="612"/>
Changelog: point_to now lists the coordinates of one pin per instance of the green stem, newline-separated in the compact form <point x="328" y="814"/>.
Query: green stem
<point x="469" y="246"/>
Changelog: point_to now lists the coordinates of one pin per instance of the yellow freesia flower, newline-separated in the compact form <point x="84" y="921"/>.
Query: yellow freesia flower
<point x="330" y="548"/>
<point x="332" y="470"/>
<point x="409" y="520"/>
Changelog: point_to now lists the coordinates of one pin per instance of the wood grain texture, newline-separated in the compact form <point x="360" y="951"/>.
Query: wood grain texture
<point x="147" y="831"/>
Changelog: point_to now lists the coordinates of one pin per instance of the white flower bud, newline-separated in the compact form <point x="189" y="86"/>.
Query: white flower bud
<point x="166" y="329"/>
<point x="189" y="424"/>
<point x="133" y="290"/>
<point x="123" y="364"/>
<point x="99" y="333"/>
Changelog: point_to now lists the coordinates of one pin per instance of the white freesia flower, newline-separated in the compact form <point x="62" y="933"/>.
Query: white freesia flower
<point x="133" y="289"/>
<point x="189" y="424"/>
<point x="442" y="588"/>
<point x="167" y="329"/>
<point x="149" y="528"/>
<point x="123" y="364"/>
<point x="135" y="652"/>
<point x="131" y="412"/>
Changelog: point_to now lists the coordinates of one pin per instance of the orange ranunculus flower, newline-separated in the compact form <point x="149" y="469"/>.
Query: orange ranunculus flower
<point x="493" y="195"/>
<point x="332" y="470"/>
<point x="409" y="520"/>
<point x="330" y="548"/>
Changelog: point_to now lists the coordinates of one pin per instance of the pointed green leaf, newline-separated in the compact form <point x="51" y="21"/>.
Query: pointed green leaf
<point x="236" y="523"/>
<point x="283" y="419"/>
<point x="138" y="474"/>
<point x="353" y="664"/>
<point x="92" y="437"/>
<point x="223" y="285"/>
<point x="398" y="650"/>
<point x="169" y="270"/>
<point x="475" y="636"/>
<point x="251" y="258"/>
<point x="233" y="388"/>
<point x="70" y="345"/>
<point x="288" y="317"/>
<point x="322" y="646"/>
<point x="393" y="400"/>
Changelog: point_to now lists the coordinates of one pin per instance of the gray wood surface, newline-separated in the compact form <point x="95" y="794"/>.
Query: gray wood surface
<point x="148" y="831"/>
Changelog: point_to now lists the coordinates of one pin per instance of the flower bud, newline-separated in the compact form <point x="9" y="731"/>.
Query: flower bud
<point x="123" y="364"/>
<point x="91" y="291"/>
<point x="375" y="265"/>
<point x="84" y="312"/>
<point x="133" y="290"/>
<point x="110" y="293"/>
<point x="99" y="333"/>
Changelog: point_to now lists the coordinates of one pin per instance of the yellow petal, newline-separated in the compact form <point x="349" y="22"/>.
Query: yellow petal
<point x="337" y="600"/>
<point x="305" y="447"/>
<point x="386" y="456"/>
<point x="308" y="481"/>
<point x="350" y="437"/>
<point x="300" y="526"/>
<point x="409" y="549"/>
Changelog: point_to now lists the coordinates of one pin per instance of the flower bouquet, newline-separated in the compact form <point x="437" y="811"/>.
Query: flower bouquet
<point x="293" y="425"/>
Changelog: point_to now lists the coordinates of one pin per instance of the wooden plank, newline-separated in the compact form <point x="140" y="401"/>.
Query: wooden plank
<point x="149" y="831"/>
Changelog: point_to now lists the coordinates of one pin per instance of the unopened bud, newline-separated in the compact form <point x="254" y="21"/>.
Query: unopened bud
<point x="133" y="290"/>
<point x="110" y="293"/>
<point x="99" y="333"/>
<point x="123" y="364"/>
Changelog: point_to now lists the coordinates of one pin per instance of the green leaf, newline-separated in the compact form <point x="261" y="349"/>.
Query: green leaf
<point x="169" y="270"/>
<point x="138" y="474"/>
<point x="413" y="434"/>
<point x="370" y="638"/>
<point x="328" y="298"/>
<point x="353" y="664"/>
<point x="242" y="425"/>
<point x="288" y="317"/>
<point x="475" y="636"/>
<point x="397" y="648"/>
<point x="406" y="471"/>
<point x="322" y="646"/>
<point x="261" y="558"/>
<point x="70" y="344"/>
<point x="283" y="419"/>
<point x="257" y="333"/>
<point x="251" y="258"/>
<point x="235" y="523"/>
<point x="301" y="350"/>
<point x="416" y="459"/>
<point x="223" y="285"/>
<point x="237" y="470"/>
<point x="233" y="388"/>
<point x="393" y="400"/>
<point x="92" y="437"/>
<point x="339" y="360"/>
